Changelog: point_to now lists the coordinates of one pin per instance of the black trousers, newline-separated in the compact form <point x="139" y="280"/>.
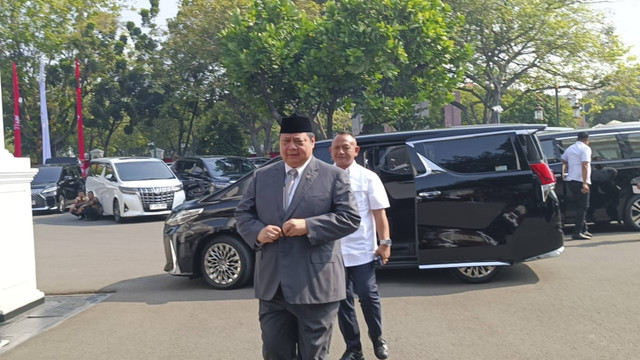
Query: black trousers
<point x="296" y="331"/>
<point x="582" y="205"/>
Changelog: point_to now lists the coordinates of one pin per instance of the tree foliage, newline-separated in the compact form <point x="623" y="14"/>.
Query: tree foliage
<point x="56" y="32"/>
<point x="222" y="74"/>
<point x="382" y="56"/>
<point x="533" y="45"/>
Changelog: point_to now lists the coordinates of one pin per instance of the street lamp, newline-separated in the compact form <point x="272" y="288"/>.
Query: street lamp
<point x="152" y="146"/>
<point x="576" y="113"/>
<point x="498" y="109"/>
<point x="537" y="114"/>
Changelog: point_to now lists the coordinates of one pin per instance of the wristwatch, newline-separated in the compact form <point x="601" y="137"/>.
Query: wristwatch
<point x="386" y="241"/>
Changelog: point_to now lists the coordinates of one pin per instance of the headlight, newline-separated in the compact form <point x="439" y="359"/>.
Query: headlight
<point x="126" y="190"/>
<point x="183" y="216"/>
<point x="49" y="190"/>
<point x="176" y="188"/>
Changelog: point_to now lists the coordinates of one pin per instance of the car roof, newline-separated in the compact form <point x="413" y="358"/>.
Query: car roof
<point x="126" y="159"/>
<point x="55" y="165"/>
<point x="441" y="132"/>
<point x="634" y="126"/>
<point x="211" y="157"/>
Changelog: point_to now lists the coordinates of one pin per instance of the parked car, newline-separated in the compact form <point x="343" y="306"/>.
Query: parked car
<point x="258" y="161"/>
<point x="134" y="186"/>
<point x="55" y="186"/>
<point x="202" y="175"/>
<point x="615" y="152"/>
<point x="473" y="199"/>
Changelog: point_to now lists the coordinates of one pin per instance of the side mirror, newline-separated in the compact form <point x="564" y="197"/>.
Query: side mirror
<point x="110" y="177"/>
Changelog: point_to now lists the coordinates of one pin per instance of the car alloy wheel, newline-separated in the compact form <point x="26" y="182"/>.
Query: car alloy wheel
<point x="116" y="211"/>
<point x="476" y="274"/>
<point x="632" y="213"/>
<point x="62" y="203"/>
<point x="226" y="263"/>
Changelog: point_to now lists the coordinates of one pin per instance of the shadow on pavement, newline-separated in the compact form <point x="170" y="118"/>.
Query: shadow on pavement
<point x="592" y="243"/>
<point x="67" y="219"/>
<point x="161" y="289"/>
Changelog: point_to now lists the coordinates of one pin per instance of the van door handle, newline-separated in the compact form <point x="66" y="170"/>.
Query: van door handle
<point x="429" y="194"/>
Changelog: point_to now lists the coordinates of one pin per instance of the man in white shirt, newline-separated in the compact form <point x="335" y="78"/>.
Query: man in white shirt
<point x="359" y="251"/>
<point x="578" y="158"/>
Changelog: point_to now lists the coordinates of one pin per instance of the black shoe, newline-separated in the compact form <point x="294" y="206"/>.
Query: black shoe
<point x="380" y="348"/>
<point x="352" y="355"/>
<point x="588" y="234"/>
<point x="580" y="237"/>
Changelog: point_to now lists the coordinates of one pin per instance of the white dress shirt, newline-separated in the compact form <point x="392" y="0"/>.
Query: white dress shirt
<point x="574" y="156"/>
<point x="358" y="248"/>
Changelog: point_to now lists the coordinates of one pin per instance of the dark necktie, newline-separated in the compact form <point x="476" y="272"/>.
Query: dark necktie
<point x="288" y="185"/>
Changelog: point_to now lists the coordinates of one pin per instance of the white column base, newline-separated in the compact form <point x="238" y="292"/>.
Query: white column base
<point x="18" y="290"/>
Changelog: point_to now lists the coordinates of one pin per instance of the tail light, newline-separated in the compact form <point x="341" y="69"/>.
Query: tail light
<point x="544" y="172"/>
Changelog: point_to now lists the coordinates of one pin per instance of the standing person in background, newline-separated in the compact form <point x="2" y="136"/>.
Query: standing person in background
<point x="293" y="213"/>
<point x="359" y="251"/>
<point x="578" y="159"/>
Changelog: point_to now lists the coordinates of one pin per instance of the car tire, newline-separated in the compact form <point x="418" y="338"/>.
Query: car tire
<point x="226" y="262"/>
<point x="62" y="203"/>
<point x="116" y="212"/>
<point x="632" y="213"/>
<point x="476" y="274"/>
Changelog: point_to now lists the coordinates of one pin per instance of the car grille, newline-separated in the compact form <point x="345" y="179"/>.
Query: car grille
<point x="156" y="195"/>
<point x="37" y="201"/>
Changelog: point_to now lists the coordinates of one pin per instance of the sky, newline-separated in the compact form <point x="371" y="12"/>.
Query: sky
<point x="623" y="14"/>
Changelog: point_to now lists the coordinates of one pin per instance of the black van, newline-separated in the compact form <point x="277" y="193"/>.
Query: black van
<point x="473" y="199"/>
<point x="615" y="173"/>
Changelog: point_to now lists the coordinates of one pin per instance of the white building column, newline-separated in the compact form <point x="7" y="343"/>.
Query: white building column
<point x="18" y="290"/>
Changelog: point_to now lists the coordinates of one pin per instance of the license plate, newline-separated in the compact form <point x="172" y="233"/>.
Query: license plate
<point x="157" y="206"/>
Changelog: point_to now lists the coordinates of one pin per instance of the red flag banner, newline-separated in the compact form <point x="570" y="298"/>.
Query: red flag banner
<point x="79" y="111"/>
<point x="16" y="114"/>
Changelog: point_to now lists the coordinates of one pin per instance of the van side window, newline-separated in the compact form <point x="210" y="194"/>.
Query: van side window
<point x="548" y="149"/>
<point x="605" y="148"/>
<point x="108" y="170"/>
<point x="96" y="169"/>
<point x="395" y="160"/>
<point x="477" y="154"/>
<point x="530" y="145"/>
<point x="322" y="153"/>
<point x="633" y="143"/>
<point x="184" y="166"/>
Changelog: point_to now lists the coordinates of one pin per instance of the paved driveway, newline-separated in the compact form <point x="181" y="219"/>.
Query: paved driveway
<point x="581" y="305"/>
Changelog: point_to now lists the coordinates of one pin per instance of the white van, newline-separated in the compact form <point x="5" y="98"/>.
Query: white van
<point x="134" y="186"/>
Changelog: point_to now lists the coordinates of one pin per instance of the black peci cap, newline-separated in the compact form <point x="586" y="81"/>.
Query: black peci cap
<point x="583" y="135"/>
<point x="295" y="124"/>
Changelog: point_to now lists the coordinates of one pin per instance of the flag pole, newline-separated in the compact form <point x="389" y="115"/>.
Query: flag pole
<point x="3" y="149"/>
<point x="17" y="152"/>
<point x="79" y="111"/>
<point x="44" y="116"/>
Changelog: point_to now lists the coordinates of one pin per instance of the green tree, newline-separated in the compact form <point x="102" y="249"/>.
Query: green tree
<point x="35" y="30"/>
<point x="620" y="100"/>
<point x="534" y="45"/>
<point x="383" y="56"/>
<point x="398" y="54"/>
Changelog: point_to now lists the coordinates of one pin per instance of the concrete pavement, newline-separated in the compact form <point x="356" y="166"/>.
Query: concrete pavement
<point x="581" y="305"/>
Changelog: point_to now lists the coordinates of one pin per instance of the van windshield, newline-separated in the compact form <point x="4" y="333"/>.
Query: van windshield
<point x="143" y="170"/>
<point x="47" y="175"/>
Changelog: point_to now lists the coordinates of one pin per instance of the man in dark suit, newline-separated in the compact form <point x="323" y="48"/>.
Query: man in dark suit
<point x="292" y="213"/>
